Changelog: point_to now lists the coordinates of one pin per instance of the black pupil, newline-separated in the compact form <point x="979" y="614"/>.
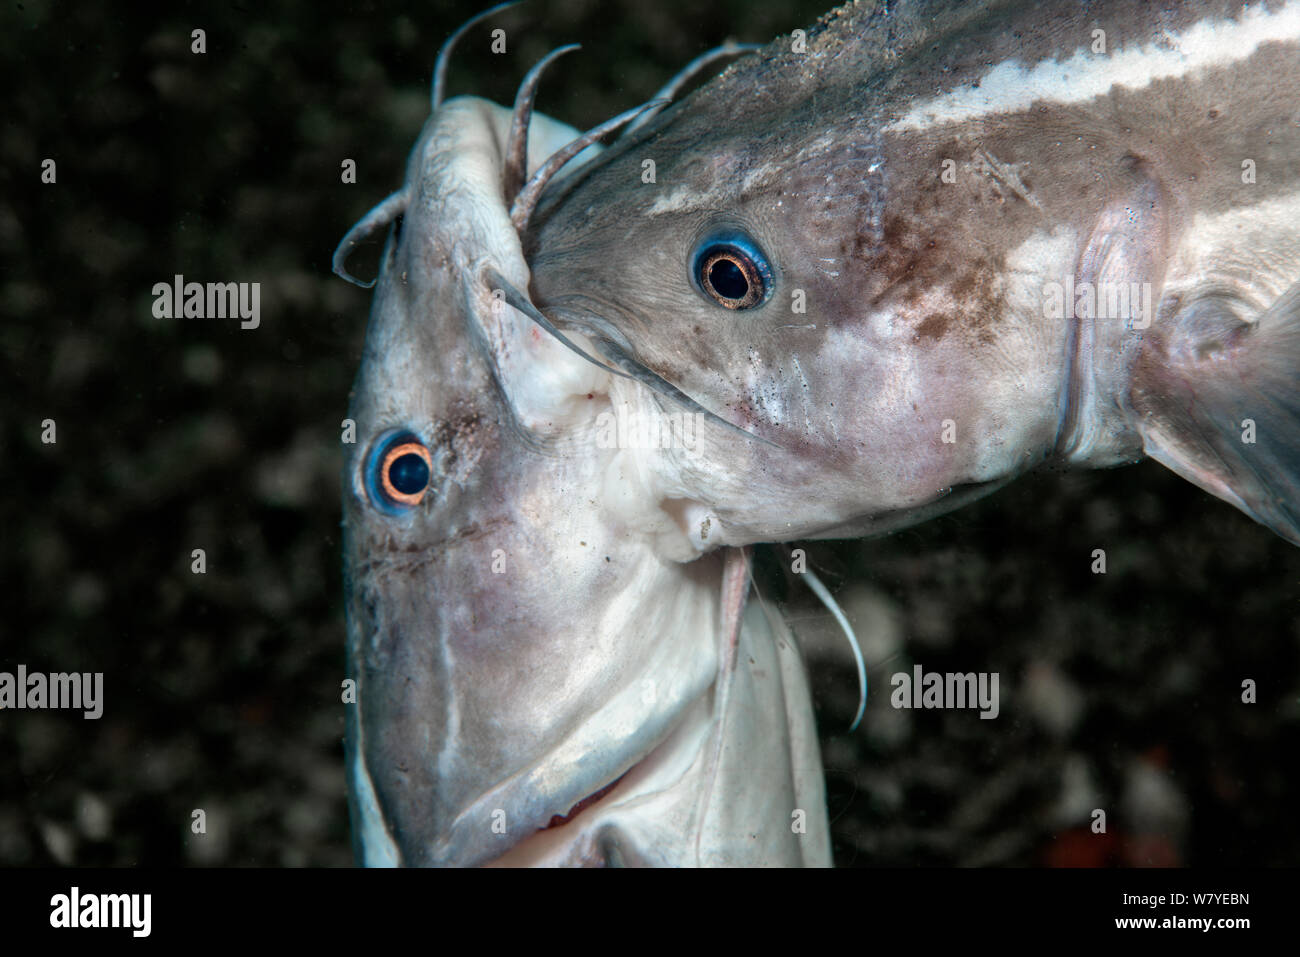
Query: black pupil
<point x="728" y="280"/>
<point x="409" y="474"/>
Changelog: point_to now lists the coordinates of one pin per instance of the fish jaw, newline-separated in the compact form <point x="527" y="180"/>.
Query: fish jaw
<point x="767" y="802"/>
<point x="499" y="709"/>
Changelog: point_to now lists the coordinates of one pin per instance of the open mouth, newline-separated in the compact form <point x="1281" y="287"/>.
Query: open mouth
<point x="660" y="769"/>
<point x="542" y="846"/>
<point x="599" y="840"/>
<point x="559" y="820"/>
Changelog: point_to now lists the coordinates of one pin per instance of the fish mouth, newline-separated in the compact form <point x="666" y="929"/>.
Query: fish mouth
<point x="557" y="842"/>
<point x="578" y="314"/>
<point x="566" y="840"/>
<point x="595" y="832"/>
<point x="559" y="820"/>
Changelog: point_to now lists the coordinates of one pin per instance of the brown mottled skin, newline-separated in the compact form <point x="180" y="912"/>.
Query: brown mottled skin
<point x="924" y="296"/>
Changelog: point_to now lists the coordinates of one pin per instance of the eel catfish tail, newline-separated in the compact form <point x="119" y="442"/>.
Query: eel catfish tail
<point x="1218" y="401"/>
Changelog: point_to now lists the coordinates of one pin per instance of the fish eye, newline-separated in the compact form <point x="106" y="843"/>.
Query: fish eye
<point x="398" y="472"/>
<point x="731" y="270"/>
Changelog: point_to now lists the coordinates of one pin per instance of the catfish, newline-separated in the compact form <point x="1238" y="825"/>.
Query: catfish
<point x="924" y="247"/>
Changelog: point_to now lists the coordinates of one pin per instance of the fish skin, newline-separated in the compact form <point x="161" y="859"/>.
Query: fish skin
<point x="925" y="300"/>
<point x="509" y="698"/>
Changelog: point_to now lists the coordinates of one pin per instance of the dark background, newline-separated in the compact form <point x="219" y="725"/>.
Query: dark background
<point x="1119" y="691"/>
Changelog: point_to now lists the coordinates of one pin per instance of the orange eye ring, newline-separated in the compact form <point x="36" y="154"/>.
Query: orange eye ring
<point x="402" y="480"/>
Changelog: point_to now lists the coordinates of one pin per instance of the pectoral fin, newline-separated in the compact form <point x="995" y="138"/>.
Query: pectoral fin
<point x="1218" y="401"/>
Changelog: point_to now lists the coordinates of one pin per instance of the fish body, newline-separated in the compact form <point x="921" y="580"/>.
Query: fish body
<point x="875" y="263"/>
<point x="536" y="684"/>
<point x="979" y="237"/>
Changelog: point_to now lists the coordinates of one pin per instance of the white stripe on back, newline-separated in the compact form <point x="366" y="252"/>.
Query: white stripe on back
<point x="1012" y="87"/>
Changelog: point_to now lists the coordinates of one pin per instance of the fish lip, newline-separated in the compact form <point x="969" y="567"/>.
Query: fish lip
<point x="629" y="786"/>
<point x="582" y="810"/>
<point x="595" y="797"/>
<point x="624" y="733"/>
<point x="455" y="853"/>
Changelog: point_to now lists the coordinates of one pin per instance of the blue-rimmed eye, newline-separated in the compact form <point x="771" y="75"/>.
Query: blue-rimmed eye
<point x="731" y="270"/>
<point x="398" y="472"/>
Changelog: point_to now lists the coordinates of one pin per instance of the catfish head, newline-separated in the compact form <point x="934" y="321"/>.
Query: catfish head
<point x="498" y="687"/>
<point x="533" y="677"/>
<point x="853" y="250"/>
<point x="743" y="249"/>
